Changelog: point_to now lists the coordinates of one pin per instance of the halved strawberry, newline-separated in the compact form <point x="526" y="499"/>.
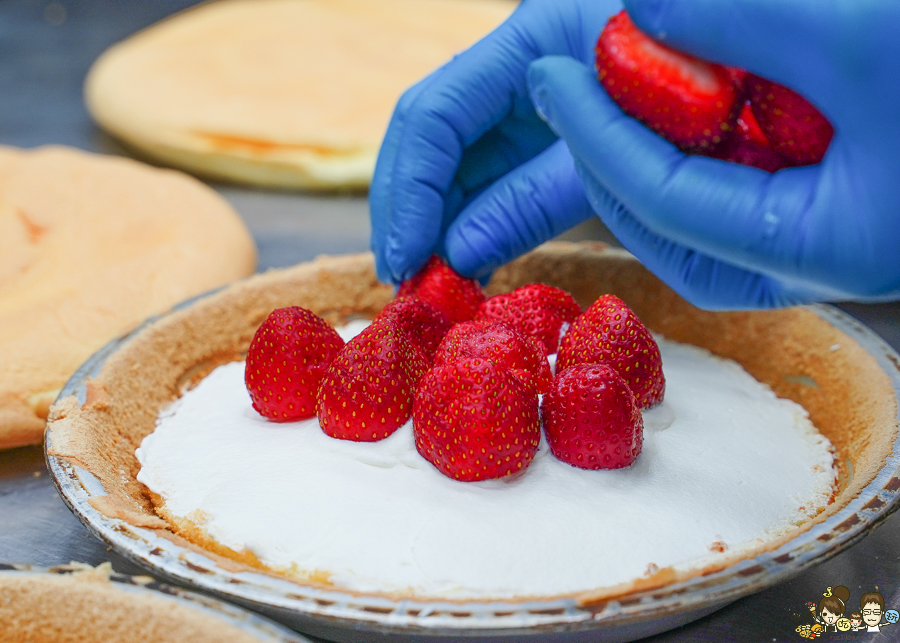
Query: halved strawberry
<point x="502" y="345"/>
<point x="438" y="284"/>
<point x="473" y="420"/>
<point x="748" y="127"/>
<point x="609" y="332"/>
<point x="286" y="361"/>
<point x="536" y="310"/>
<point x="367" y="392"/>
<point x="591" y="419"/>
<point x="690" y="102"/>
<point x="748" y="145"/>
<point x="794" y="127"/>
<point x="422" y="322"/>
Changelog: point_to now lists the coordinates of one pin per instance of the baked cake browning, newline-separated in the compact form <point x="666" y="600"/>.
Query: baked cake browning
<point x="89" y="247"/>
<point x="86" y="607"/>
<point x="278" y="93"/>
<point x="802" y="357"/>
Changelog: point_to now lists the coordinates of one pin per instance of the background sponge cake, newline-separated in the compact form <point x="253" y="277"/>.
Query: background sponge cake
<point x="286" y="93"/>
<point x="89" y="247"/>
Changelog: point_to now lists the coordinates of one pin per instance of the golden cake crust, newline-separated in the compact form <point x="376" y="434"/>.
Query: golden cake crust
<point x="279" y="93"/>
<point x="86" y="606"/>
<point x="848" y="396"/>
<point x="89" y="247"/>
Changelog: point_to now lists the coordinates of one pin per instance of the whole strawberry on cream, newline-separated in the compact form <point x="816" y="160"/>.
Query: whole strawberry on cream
<point x="502" y="345"/>
<point x="474" y="420"/>
<point x="474" y="398"/>
<point x="424" y="324"/>
<point x="377" y="516"/>
<point x="286" y="361"/>
<point x="591" y="418"/>
<point x="474" y="497"/>
<point x="438" y="284"/>
<point x="537" y="310"/>
<point x="367" y="392"/>
<point x="609" y="332"/>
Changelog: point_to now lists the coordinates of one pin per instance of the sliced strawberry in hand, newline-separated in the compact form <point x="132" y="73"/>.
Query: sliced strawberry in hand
<point x="424" y="324"/>
<point x="286" y="361"/>
<point x="794" y="127"/>
<point x="591" y="419"/>
<point x="367" y="392"/>
<point x="438" y="284"/>
<point x="609" y="332"/>
<point x="748" y="145"/>
<point x="535" y="310"/>
<point x="690" y="102"/>
<point x="500" y="344"/>
<point x="748" y="128"/>
<point x="474" y="421"/>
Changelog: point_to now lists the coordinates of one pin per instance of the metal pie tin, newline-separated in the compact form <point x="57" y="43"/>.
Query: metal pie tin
<point x="346" y="616"/>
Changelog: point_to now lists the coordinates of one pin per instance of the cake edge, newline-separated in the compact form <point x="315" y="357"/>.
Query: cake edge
<point x="661" y="308"/>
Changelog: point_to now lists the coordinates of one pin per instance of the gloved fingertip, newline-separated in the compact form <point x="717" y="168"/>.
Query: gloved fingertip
<point x="484" y="279"/>
<point x="463" y="258"/>
<point x="381" y="270"/>
<point x="402" y="265"/>
<point x="383" y="274"/>
<point x="555" y="80"/>
<point x="538" y="91"/>
<point x="540" y="80"/>
<point x="648" y="15"/>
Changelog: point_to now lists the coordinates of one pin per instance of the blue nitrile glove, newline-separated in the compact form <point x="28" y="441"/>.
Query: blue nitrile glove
<point x="729" y="236"/>
<point x="467" y="168"/>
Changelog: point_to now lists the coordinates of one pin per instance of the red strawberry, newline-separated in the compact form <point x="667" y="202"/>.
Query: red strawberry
<point x="591" y="419"/>
<point x="438" y="284"/>
<point x="473" y="420"/>
<point x="688" y="101"/>
<point x="748" y="127"/>
<point x="424" y="324"/>
<point x="748" y="145"/>
<point x="737" y="76"/>
<point x="795" y="128"/>
<point x="535" y="310"/>
<point x="367" y="392"/>
<point x="502" y="345"/>
<point x="286" y="361"/>
<point x="610" y="333"/>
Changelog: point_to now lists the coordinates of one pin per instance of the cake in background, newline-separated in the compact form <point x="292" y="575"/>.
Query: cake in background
<point x="89" y="247"/>
<point x="278" y="93"/>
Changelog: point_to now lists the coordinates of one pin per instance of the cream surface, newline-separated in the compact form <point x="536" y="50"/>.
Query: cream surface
<point x="724" y="462"/>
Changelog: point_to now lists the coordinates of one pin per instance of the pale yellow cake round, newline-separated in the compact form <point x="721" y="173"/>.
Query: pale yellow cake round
<point x="90" y="246"/>
<point x="279" y="93"/>
<point x="82" y="604"/>
<point x="850" y="403"/>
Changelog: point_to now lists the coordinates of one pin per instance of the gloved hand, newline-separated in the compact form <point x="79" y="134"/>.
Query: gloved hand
<point x="467" y="169"/>
<point x="729" y="236"/>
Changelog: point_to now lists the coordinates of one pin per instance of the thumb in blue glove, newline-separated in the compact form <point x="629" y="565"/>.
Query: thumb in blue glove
<point x="728" y="236"/>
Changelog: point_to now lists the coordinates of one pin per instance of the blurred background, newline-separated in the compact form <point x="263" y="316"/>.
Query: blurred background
<point x="46" y="49"/>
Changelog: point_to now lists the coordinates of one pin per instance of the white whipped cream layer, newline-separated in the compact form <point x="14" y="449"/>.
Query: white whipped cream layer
<point x="724" y="462"/>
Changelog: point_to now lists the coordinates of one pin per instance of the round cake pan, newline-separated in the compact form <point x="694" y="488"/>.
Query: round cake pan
<point x="346" y="616"/>
<point x="94" y="587"/>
